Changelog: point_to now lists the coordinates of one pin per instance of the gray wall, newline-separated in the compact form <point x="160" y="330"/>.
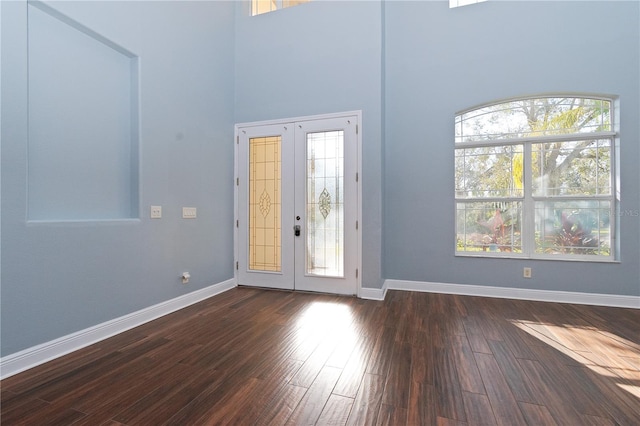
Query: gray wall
<point x="440" y="61"/>
<point x="203" y="66"/>
<point x="61" y="276"/>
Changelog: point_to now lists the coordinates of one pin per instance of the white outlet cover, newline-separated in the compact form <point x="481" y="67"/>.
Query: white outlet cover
<point x="156" y="212"/>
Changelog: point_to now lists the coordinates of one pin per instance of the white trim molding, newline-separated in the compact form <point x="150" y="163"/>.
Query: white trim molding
<point x="39" y="354"/>
<point x="612" y="300"/>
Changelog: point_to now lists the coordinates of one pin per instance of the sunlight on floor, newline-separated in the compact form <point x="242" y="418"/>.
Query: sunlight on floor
<point x="602" y="352"/>
<point x="329" y="327"/>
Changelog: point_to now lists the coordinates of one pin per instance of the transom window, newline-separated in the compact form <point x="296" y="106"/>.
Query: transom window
<point x="457" y="3"/>
<point x="263" y="6"/>
<point x="534" y="178"/>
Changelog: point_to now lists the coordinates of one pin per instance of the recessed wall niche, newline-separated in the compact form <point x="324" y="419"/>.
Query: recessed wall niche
<point x="83" y="122"/>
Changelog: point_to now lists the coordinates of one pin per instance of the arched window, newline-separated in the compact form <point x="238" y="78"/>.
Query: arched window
<point x="534" y="178"/>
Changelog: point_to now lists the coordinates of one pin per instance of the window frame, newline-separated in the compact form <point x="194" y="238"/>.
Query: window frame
<point x="528" y="199"/>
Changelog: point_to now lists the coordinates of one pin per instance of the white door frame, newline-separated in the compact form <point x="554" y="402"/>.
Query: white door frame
<point x="237" y="159"/>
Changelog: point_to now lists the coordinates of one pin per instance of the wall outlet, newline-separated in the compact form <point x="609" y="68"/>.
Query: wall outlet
<point x="189" y="212"/>
<point x="526" y="272"/>
<point x="185" y="277"/>
<point x="156" y="212"/>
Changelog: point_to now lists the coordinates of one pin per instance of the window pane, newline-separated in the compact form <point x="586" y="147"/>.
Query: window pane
<point x="573" y="227"/>
<point x="489" y="227"/>
<point x="494" y="171"/>
<point x="572" y="168"/>
<point x="458" y="3"/>
<point x="534" y="117"/>
<point x="262" y="6"/>
<point x="290" y="3"/>
<point x="265" y="204"/>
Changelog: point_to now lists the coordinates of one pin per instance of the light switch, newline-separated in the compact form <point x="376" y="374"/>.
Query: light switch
<point x="189" y="213"/>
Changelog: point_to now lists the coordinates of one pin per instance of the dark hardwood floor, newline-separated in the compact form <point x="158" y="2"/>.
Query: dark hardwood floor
<point x="251" y="356"/>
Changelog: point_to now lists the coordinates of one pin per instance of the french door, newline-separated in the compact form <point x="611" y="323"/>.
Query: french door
<point x="298" y="204"/>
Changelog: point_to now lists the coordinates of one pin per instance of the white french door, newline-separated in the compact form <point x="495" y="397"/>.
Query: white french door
<point x="298" y="204"/>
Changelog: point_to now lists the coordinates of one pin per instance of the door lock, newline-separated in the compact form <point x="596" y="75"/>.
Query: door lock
<point x="296" y="230"/>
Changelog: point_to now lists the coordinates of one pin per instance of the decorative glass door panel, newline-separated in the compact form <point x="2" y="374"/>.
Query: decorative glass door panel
<point x="325" y="204"/>
<point x="298" y="205"/>
<point x="265" y="232"/>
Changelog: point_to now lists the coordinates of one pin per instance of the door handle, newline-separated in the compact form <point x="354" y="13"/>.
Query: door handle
<point x="296" y="230"/>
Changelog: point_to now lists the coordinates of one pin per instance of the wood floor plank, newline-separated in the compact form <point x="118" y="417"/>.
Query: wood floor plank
<point x="443" y="421"/>
<point x="412" y="359"/>
<point x="281" y="371"/>
<point x="468" y="374"/>
<point x="313" y="402"/>
<point x="336" y="411"/>
<point x="105" y="409"/>
<point x="228" y="408"/>
<point x="550" y="351"/>
<point x="449" y="402"/>
<point x="97" y="387"/>
<point x="49" y="414"/>
<point x="518" y="381"/>
<point x="478" y="343"/>
<point x="58" y="386"/>
<point x="261" y="396"/>
<point x="54" y="369"/>
<point x="422" y="364"/>
<point x="537" y="414"/>
<point x="478" y="409"/>
<point x="99" y="392"/>
<point x="15" y="408"/>
<point x="396" y="391"/>
<point x="625" y="410"/>
<point x="380" y="359"/>
<point x="355" y="368"/>
<point x="437" y="332"/>
<point x="166" y="396"/>
<point x="619" y="323"/>
<point x="475" y="336"/>
<point x="560" y="373"/>
<point x="548" y="395"/>
<point x="391" y="416"/>
<point x="345" y="346"/>
<point x="514" y="342"/>
<point x="422" y="404"/>
<point x="596" y="421"/>
<point x="197" y="407"/>
<point x="311" y="366"/>
<point x="281" y="406"/>
<point x="505" y="407"/>
<point x="367" y="401"/>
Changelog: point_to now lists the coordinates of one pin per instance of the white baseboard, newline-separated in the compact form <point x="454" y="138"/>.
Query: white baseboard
<point x="373" y="293"/>
<point x="611" y="300"/>
<point x="36" y="355"/>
